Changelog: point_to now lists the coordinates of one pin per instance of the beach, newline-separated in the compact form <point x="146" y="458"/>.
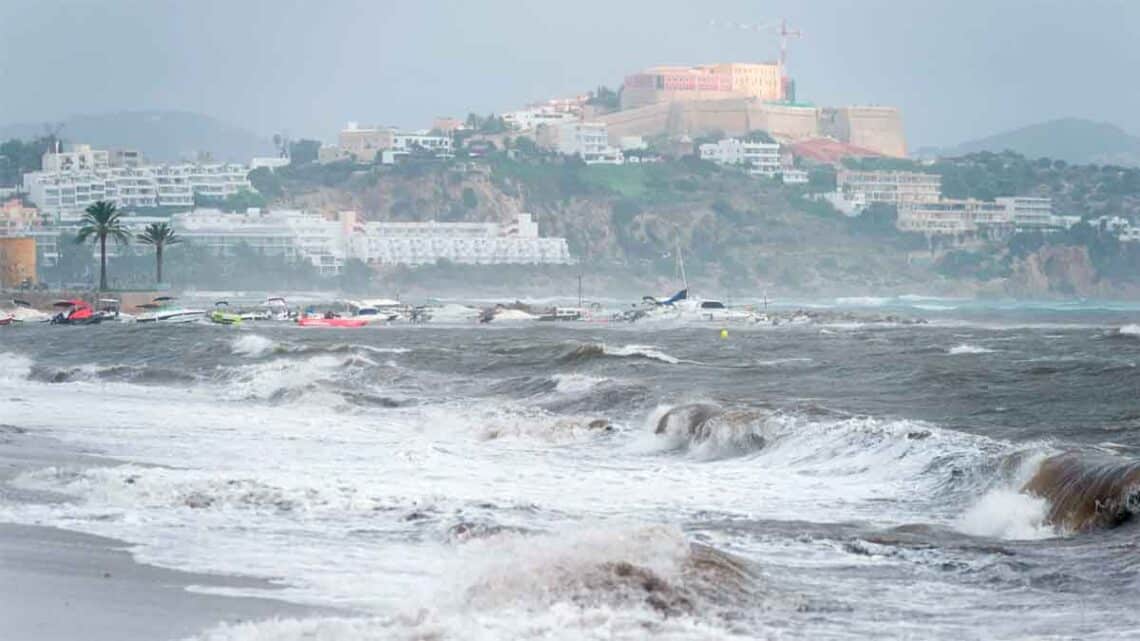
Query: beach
<point x="61" y="585"/>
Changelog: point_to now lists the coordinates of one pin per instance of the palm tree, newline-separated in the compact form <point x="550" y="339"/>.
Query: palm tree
<point x="101" y="220"/>
<point x="158" y="235"/>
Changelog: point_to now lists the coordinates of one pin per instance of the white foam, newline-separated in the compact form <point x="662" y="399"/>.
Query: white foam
<point x="576" y="383"/>
<point x="14" y="367"/>
<point x="966" y="348"/>
<point x="252" y="345"/>
<point x="644" y="351"/>
<point x="1131" y="329"/>
<point x="1007" y="514"/>
<point x="863" y="301"/>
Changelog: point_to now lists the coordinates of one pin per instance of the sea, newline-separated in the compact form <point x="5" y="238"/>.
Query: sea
<point x="972" y="477"/>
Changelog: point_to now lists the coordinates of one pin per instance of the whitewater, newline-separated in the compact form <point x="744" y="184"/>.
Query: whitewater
<point x="887" y="482"/>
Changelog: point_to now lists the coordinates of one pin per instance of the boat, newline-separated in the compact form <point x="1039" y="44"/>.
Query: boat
<point x="564" y="314"/>
<point x="111" y="309"/>
<point x="444" y="313"/>
<point x="23" y="312"/>
<point x="382" y="310"/>
<point x="329" y="320"/>
<point x="75" y="312"/>
<point x="682" y="307"/>
<point x="223" y="316"/>
<point x="162" y="311"/>
<point x="277" y="309"/>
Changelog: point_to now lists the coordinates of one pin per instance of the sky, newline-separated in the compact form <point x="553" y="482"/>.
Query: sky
<point x="959" y="69"/>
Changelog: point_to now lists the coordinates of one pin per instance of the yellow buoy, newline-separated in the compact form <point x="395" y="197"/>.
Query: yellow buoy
<point x="724" y="333"/>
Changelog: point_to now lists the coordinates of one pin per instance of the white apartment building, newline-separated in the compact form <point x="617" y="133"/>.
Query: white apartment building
<point x="533" y="118"/>
<point x="63" y="195"/>
<point x="588" y="140"/>
<point x="77" y="158"/>
<point x="953" y="217"/>
<point x="761" y="158"/>
<point x="790" y="176"/>
<point x="391" y="243"/>
<point x="327" y="243"/>
<point x="1028" y="213"/>
<point x="890" y="187"/>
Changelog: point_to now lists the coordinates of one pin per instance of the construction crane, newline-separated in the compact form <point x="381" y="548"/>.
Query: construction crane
<point x="778" y="27"/>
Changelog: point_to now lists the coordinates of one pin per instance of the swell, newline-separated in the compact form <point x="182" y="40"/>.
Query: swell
<point x="1087" y="492"/>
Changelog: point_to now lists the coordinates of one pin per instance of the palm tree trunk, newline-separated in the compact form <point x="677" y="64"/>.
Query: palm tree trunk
<point x="158" y="262"/>
<point x="102" y="262"/>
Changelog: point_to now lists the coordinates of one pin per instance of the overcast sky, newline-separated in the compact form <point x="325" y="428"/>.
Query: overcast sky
<point x="959" y="69"/>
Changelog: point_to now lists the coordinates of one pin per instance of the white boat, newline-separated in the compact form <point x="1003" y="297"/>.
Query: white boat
<point x="381" y="310"/>
<point x="681" y="307"/>
<point x="445" y="313"/>
<point x="23" y="312"/>
<point x="111" y="309"/>
<point x="565" y="314"/>
<point x="162" y="311"/>
<point x="276" y="309"/>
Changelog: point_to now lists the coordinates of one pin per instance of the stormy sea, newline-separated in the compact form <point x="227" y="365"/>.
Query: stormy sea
<point x="974" y="477"/>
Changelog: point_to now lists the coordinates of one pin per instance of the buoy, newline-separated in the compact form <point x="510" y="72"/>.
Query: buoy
<point x="724" y="333"/>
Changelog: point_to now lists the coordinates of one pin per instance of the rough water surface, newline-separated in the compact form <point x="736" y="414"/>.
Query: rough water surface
<point x="957" y="480"/>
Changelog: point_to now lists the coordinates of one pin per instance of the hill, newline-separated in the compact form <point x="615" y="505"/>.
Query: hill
<point x="1073" y="140"/>
<point x="160" y="135"/>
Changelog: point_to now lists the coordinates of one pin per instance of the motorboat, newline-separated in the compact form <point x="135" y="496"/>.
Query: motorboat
<point x="444" y="313"/>
<point x="75" y="312"/>
<point x="111" y="309"/>
<point x="23" y="312"/>
<point x="381" y="310"/>
<point x="330" y="320"/>
<point x="161" y="310"/>
<point x="277" y="309"/>
<point x="222" y="315"/>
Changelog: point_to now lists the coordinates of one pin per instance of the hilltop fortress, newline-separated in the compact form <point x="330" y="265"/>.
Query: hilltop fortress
<point x="735" y="98"/>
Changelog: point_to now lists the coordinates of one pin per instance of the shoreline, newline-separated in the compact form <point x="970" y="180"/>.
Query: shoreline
<point x="57" y="584"/>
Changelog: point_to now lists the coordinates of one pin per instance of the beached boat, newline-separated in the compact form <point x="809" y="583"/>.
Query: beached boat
<point x="380" y="310"/>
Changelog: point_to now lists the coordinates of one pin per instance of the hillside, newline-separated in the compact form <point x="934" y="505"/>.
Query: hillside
<point x="740" y="236"/>
<point x="160" y="135"/>
<point x="1070" y="139"/>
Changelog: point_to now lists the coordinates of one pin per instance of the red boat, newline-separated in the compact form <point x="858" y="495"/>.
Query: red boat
<point x="317" y="321"/>
<point x="76" y="312"/>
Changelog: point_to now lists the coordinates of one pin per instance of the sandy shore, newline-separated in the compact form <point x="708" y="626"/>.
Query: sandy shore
<point x="57" y="584"/>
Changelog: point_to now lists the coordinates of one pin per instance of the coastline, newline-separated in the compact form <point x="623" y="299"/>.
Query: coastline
<point x="59" y="584"/>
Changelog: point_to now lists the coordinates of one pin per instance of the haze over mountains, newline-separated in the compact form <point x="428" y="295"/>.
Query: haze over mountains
<point x="163" y="136"/>
<point x="1074" y="140"/>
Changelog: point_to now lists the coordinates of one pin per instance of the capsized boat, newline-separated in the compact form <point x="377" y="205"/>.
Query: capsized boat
<point x="161" y="310"/>
<point x="75" y="312"/>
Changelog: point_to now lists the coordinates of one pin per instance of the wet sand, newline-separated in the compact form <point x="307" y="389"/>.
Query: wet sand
<point x="57" y="584"/>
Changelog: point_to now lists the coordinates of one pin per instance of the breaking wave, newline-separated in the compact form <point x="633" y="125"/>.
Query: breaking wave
<point x="623" y="583"/>
<point x="1130" y="330"/>
<point x="253" y="345"/>
<point x="1087" y="492"/>
<point x="594" y="350"/>
<point x="966" y="348"/>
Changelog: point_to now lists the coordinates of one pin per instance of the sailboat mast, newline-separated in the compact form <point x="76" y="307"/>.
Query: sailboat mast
<point x="681" y="265"/>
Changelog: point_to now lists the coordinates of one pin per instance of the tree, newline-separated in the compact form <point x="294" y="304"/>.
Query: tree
<point x="304" y="151"/>
<point x="158" y="235"/>
<point x="101" y="220"/>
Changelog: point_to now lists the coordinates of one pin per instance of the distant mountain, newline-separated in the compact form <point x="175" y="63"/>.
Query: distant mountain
<point x="160" y="135"/>
<point x="1070" y="139"/>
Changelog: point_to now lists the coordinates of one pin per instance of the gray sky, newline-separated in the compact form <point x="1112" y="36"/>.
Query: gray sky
<point x="960" y="69"/>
